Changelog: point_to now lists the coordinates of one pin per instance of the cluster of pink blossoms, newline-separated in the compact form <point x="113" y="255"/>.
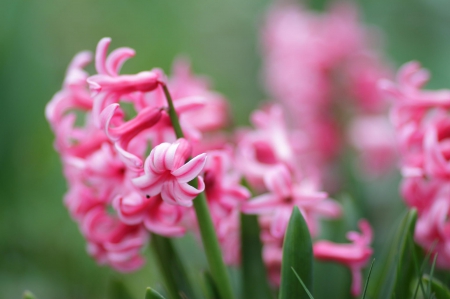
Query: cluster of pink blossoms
<point x="324" y="70"/>
<point x="421" y="120"/>
<point x="129" y="175"/>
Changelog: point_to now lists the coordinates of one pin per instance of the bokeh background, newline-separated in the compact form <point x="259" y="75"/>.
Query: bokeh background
<point x="40" y="247"/>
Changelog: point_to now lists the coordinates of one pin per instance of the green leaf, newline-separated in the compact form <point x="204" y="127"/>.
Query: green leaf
<point x="437" y="288"/>
<point x="152" y="294"/>
<point x="254" y="274"/>
<point x="303" y="285"/>
<point x="28" y="295"/>
<point x="209" y="287"/>
<point x="368" y="279"/>
<point x="117" y="290"/>
<point x="405" y="266"/>
<point x="297" y="256"/>
<point x="398" y="272"/>
<point x="172" y="268"/>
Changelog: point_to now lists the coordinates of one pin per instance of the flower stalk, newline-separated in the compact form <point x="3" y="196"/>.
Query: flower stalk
<point x="207" y="231"/>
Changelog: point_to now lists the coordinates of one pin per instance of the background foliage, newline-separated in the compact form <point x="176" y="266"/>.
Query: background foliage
<point x="40" y="247"/>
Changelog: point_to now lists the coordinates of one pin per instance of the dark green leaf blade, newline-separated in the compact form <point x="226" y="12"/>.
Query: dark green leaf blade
<point x="255" y="283"/>
<point x="297" y="255"/>
<point x="117" y="290"/>
<point x="398" y="272"/>
<point x="172" y="268"/>
<point x="437" y="287"/>
<point x="152" y="294"/>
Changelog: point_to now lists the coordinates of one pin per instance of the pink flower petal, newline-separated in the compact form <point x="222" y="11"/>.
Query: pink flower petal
<point x="100" y="55"/>
<point x="191" y="169"/>
<point x="117" y="58"/>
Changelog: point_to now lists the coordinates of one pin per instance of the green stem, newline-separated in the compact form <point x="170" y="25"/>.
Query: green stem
<point x="172" y="113"/>
<point x="212" y="248"/>
<point x="207" y="231"/>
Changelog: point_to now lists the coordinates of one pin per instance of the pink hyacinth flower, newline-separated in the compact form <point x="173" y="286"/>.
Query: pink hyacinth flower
<point x="124" y="132"/>
<point x="166" y="173"/>
<point x="108" y="86"/>
<point x="156" y="215"/>
<point x="284" y="195"/>
<point x="354" y="255"/>
<point x="113" y="242"/>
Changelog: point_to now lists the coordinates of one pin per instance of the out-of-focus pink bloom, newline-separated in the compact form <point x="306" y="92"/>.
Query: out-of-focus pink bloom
<point x="374" y="138"/>
<point x="421" y="120"/>
<point x="323" y="68"/>
<point x="408" y="91"/>
<point x="363" y="74"/>
<point x="166" y="173"/>
<point x="273" y="256"/>
<point x="222" y="184"/>
<point x="156" y="215"/>
<point x="183" y="84"/>
<point x="264" y="148"/>
<point x="199" y="109"/>
<point x="355" y="255"/>
<point x="433" y="228"/>
<point x="74" y="94"/>
<point x="112" y="242"/>
<point x="419" y="192"/>
<point x="284" y="195"/>
<point x="437" y="146"/>
<point x="225" y="196"/>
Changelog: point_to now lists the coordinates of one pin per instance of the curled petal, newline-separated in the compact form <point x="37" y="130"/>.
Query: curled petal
<point x="156" y="161"/>
<point x="117" y="58"/>
<point x="145" y="119"/>
<point x="183" y="152"/>
<point x="143" y="81"/>
<point x="80" y="61"/>
<point x="100" y="55"/>
<point x="150" y="183"/>
<point x="191" y="169"/>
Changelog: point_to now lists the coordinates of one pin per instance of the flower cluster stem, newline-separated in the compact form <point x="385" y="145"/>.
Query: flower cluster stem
<point x="209" y="238"/>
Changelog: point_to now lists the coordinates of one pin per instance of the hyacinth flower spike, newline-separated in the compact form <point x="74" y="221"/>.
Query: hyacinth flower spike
<point x="355" y="255"/>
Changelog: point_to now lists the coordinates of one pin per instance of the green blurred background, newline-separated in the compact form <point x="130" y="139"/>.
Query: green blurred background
<point x="40" y="247"/>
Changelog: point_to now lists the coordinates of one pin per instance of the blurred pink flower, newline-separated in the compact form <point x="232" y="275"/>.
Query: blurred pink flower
<point x="355" y="255"/>
<point x="112" y="242"/>
<point x="157" y="216"/>
<point x="284" y="195"/>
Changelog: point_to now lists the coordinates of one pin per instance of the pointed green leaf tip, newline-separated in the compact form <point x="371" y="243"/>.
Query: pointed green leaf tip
<point x="152" y="294"/>
<point x="439" y="290"/>
<point x="405" y="265"/>
<point x="28" y="295"/>
<point x="297" y="259"/>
